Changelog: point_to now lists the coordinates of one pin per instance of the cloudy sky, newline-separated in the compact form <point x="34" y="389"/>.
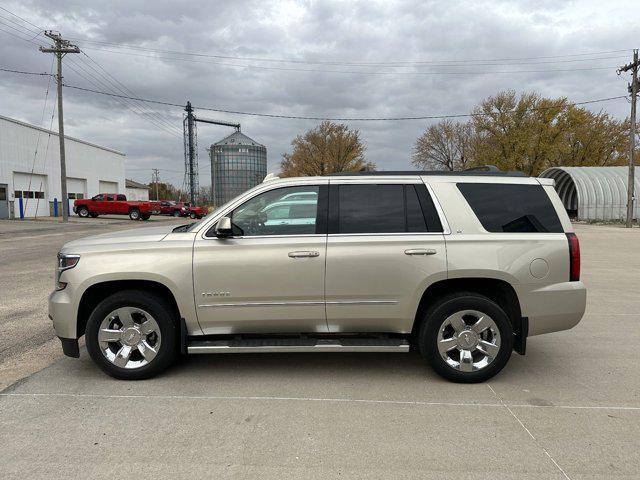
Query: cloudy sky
<point x="314" y="58"/>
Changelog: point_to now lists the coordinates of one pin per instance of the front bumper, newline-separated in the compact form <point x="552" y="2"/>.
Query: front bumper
<point x="552" y="308"/>
<point x="63" y="314"/>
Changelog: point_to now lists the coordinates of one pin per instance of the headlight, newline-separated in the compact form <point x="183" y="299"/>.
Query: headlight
<point x="65" y="262"/>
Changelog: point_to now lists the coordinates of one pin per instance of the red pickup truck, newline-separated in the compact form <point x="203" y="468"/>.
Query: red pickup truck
<point x="196" y="212"/>
<point x="114" y="204"/>
<point x="169" y="207"/>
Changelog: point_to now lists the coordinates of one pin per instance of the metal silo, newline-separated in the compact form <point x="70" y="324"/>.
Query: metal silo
<point x="238" y="163"/>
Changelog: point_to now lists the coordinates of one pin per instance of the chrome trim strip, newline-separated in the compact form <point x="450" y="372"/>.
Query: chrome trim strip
<point x="362" y="302"/>
<point x="261" y="304"/>
<point x="297" y="304"/>
<point x="388" y="234"/>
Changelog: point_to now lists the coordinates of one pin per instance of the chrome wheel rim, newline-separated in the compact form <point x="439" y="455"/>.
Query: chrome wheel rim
<point x="469" y="340"/>
<point x="129" y="337"/>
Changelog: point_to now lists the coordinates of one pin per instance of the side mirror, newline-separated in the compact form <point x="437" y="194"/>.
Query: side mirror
<point x="223" y="228"/>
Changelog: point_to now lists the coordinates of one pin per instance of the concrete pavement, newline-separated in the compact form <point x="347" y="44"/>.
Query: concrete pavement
<point x="27" y="263"/>
<point x="569" y="409"/>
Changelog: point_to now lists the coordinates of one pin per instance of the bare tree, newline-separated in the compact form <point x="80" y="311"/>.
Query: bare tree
<point x="446" y="145"/>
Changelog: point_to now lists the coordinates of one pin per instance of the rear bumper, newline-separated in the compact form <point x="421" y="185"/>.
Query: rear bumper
<point x="552" y="308"/>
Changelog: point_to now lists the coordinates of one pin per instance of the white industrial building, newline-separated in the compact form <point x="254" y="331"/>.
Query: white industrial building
<point x="136" y="190"/>
<point x="30" y="168"/>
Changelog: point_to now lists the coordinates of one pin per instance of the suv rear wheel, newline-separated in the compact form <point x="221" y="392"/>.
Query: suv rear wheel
<point x="466" y="337"/>
<point x="131" y="335"/>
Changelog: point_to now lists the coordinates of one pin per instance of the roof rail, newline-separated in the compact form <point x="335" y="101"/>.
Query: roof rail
<point x="473" y="172"/>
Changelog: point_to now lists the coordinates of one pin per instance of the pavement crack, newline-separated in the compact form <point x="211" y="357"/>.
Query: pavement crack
<point x="535" y="440"/>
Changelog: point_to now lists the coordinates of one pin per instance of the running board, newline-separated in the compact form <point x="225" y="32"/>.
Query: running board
<point x="298" y="345"/>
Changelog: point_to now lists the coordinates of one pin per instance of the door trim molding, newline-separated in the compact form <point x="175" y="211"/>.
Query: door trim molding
<point x="298" y="303"/>
<point x="261" y="304"/>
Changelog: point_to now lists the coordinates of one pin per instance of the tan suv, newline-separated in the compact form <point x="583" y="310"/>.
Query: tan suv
<point x="460" y="267"/>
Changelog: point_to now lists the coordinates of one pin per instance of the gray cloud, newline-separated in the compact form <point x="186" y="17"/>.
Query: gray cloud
<point x="364" y="31"/>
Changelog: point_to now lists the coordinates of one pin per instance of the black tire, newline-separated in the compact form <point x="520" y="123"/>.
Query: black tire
<point x="193" y="215"/>
<point x="175" y="213"/>
<point x="134" y="214"/>
<point x="145" y="217"/>
<point x="83" y="212"/>
<point x="163" y="315"/>
<point x="436" y="315"/>
<point x="93" y="215"/>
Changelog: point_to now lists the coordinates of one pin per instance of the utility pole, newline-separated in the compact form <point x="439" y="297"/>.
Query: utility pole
<point x="156" y="179"/>
<point x="60" y="48"/>
<point x="633" y="90"/>
<point x="191" y="153"/>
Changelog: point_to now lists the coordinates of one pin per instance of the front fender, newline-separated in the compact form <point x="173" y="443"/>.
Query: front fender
<point x="168" y="263"/>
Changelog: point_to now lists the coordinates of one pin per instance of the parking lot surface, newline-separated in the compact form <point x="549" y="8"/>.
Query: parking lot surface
<point x="569" y="409"/>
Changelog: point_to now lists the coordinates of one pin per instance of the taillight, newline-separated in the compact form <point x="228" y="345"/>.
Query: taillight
<point x="574" y="257"/>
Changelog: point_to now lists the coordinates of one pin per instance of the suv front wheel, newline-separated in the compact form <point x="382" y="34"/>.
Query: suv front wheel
<point x="131" y="335"/>
<point x="466" y="337"/>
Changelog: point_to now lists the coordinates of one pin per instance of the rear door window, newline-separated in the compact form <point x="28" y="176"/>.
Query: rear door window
<point x="502" y="207"/>
<point x="371" y="209"/>
<point x="382" y="208"/>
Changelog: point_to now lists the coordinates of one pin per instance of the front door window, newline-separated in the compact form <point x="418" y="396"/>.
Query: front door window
<point x="282" y="211"/>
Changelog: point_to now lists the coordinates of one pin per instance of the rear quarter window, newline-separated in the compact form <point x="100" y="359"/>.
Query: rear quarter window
<point x="504" y="207"/>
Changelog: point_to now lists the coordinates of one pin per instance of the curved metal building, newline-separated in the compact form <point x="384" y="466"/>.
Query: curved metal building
<point x="594" y="193"/>
<point x="238" y="163"/>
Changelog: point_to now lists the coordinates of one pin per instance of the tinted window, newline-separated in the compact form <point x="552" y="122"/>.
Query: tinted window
<point x="121" y="198"/>
<point x="382" y="209"/>
<point x="109" y="198"/>
<point x="415" y="218"/>
<point x="278" y="212"/>
<point x="371" y="209"/>
<point x="511" y="208"/>
<point x="98" y="197"/>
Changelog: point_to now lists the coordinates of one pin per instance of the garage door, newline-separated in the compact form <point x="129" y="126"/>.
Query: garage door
<point x="76" y="188"/>
<point x="33" y="191"/>
<point x="108" y="187"/>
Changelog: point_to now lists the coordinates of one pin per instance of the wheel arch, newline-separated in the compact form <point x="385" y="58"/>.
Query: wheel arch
<point x="499" y="291"/>
<point x="97" y="292"/>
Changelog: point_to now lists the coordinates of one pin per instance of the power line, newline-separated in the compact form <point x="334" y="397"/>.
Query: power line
<point x="354" y="72"/>
<point x="299" y="117"/>
<point x="97" y="81"/>
<point x="122" y="88"/>
<point x="347" y="63"/>
<point x="23" y="19"/>
<point x="345" y="119"/>
<point x="43" y="74"/>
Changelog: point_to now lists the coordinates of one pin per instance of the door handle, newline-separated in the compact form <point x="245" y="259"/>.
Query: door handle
<point x="304" y="254"/>
<point x="420" y="251"/>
